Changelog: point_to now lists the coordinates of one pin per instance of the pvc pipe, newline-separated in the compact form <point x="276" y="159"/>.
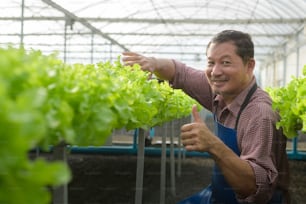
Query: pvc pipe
<point x="140" y="166"/>
<point x="163" y="167"/>
<point x="130" y="150"/>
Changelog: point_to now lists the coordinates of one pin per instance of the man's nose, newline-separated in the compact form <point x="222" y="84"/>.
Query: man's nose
<point x="216" y="70"/>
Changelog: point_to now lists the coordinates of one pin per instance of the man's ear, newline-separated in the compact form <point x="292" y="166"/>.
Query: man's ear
<point x="251" y="65"/>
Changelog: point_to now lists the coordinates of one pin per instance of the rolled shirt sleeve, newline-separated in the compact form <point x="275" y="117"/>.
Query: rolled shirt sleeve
<point x="194" y="83"/>
<point x="261" y="144"/>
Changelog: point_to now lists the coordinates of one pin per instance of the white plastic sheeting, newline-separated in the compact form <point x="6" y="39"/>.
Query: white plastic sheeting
<point x="94" y="30"/>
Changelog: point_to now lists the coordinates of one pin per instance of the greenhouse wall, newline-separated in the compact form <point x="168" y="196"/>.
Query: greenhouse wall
<point x="302" y="59"/>
<point x="286" y="62"/>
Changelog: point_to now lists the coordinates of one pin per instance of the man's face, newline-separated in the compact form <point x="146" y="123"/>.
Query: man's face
<point x="226" y="72"/>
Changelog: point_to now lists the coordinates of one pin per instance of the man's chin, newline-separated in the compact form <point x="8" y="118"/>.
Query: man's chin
<point x="216" y="91"/>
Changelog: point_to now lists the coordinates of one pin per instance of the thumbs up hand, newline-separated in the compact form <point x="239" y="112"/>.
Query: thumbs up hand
<point x="196" y="136"/>
<point x="196" y="115"/>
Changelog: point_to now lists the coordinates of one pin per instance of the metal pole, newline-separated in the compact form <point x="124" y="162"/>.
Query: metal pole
<point x="22" y="23"/>
<point x="92" y="49"/>
<point x="179" y="163"/>
<point x="65" y="41"/>
<point x="60" y="194"/>
<point x="285" y="65"/>
<point x="297" y="40"/>
<point x="163" y="167"/>
<point x="140" y="166"/>
<point x="111" y="52"/>
<point x="172" y="160"/>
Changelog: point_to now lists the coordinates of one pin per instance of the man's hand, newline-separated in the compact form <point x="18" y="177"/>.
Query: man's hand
<point x="146" y="63"/>
<point x="196" y="136"/>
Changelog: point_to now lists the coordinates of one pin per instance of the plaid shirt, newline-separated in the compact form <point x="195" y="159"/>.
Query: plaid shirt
<point x="260" y="143"/>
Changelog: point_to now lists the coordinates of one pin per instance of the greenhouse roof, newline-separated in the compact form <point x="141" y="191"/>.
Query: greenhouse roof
<point x="94" y="30"/>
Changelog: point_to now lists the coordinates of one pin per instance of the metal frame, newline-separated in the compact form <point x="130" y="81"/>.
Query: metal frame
<point x="269" y="23"/>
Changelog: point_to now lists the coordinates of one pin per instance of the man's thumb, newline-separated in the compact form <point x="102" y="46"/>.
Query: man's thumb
<point x="196" y="115"/>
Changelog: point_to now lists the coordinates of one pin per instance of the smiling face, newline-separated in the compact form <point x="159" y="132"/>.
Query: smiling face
<point x="227" y="74"/>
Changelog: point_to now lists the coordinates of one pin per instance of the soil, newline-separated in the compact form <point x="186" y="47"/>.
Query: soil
<point x="110" y="179"/>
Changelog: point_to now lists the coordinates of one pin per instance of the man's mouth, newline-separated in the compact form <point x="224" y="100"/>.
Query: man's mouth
<point x="218" y="80"/>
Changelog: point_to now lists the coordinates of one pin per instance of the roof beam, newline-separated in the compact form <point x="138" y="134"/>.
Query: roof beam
<point x="175" y="52"/>
<point x="163" y="21"/>
<point x="182" y="53"/>
<point x="148" y="34"/>
<point x="141" y="44"/>
<point x="83" y="22"/>
<point x="196" y="34"/>
<point x="133" y="44"/>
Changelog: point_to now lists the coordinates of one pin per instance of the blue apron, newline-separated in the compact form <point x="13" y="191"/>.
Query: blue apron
<point x="219" y="190"/>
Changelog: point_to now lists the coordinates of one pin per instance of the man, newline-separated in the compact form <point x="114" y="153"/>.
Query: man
<point x="251" y="164"/>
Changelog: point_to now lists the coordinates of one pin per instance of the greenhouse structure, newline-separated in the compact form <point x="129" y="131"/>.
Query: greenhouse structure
<point x="79" y="127"/>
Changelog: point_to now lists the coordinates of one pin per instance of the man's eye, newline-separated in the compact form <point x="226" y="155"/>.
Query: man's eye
<point x="226" y="62"/>
<point x="210" y="63"/>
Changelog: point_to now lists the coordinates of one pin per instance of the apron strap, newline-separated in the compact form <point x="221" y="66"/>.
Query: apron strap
<point x="245" y="103"/>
